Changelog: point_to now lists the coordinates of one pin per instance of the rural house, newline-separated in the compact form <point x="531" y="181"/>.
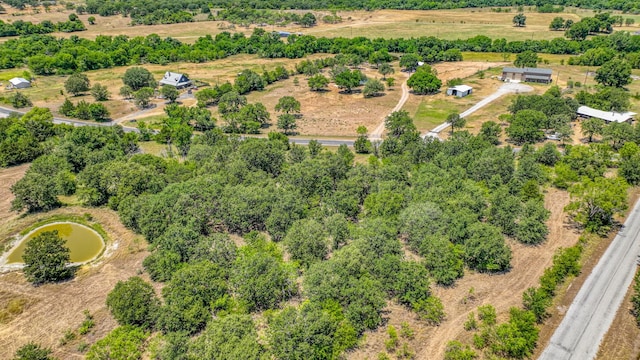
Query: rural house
<point x="586" y="112"/>
<point x="459" y="90"/>
<point x="174" y="79"/>
<point x="526" y="75"/>
<point x="19" y="83"/>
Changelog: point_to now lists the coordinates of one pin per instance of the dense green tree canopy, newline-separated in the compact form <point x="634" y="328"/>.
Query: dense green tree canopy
<point x="46" y="259"/>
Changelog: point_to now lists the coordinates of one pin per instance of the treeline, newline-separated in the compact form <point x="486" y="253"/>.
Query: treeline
<point x="134" y="7"/>
<point x="47" y="55"/>
<point x="20" y="27"/>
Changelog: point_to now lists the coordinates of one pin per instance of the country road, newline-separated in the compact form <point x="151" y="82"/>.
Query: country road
<point x="592" y="311"/>
<point x="377" y="133"/>
<point x="507" y="88"/>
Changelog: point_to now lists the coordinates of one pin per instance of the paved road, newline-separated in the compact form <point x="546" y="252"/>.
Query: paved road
<point x="377" y="133"/>
<point x="507" y="88"/>
<point x="590" y="315"/>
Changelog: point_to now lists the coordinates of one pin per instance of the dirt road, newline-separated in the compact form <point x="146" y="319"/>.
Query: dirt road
<point x="377" y="133"/>
<point x="594" y="308"/>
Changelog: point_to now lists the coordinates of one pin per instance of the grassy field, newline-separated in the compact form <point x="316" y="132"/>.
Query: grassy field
<point x="446" y="24"/>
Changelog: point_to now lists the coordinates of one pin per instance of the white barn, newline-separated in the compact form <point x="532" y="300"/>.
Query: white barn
<point x="586" y="112"/>
<point x="459" y="90"/>
<point x="174" y="79"/>
<point x="19" y="83"/>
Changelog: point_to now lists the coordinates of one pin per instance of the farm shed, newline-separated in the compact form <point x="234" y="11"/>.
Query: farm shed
<point x="174" y="79"/>
<point x="459" y="90"/>
<point x="586" y="112"/>
<point x="19" y="83"/>
<point x="526" y="74"/>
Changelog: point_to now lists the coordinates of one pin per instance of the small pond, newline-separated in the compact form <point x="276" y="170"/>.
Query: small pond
<point x="84" y="243"/>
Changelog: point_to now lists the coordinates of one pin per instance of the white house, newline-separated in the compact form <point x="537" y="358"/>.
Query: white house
<point x="174" y="79"/>
<point x="608" y="116"/>
<point x="19" y="83"/>
<point x="459" y="90"/>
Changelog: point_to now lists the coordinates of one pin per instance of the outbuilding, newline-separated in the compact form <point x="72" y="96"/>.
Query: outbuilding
<point x="19" y="83"/>
<point x="586" y="112"/>
<point x="174" y="79"/>
<point x="538" y="75"/>
<point x="459" y="90"/>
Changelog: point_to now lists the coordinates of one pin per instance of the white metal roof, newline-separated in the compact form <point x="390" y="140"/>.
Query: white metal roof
<point x="19" y="80"/>
<point x="175" y="79"/>
<point x="609" y="116"/>
<point x="462" y="88"/>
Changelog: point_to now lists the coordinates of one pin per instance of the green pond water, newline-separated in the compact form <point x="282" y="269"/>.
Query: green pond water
<point x="84" y="243"/>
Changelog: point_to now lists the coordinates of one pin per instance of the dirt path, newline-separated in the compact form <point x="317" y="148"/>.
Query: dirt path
<point x="508" y="88"/>
<point x="500" y="290"/>
<point x="377" y="133"/>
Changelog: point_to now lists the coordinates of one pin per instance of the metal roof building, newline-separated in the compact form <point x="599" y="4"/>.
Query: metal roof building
<point x="607" y="116"/>
<point x="459" y="90"/>
<point x="526" y="74"/>
<point x="175" y="79"/>
<point x="19" y="83"/>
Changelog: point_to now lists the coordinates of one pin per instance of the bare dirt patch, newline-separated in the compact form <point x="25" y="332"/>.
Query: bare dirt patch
<point x="501" y="290"/>
<point x="55" y="308"/>
<point x="8" y="177"/>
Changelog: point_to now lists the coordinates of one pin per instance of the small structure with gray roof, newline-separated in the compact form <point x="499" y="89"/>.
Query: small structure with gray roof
<point x="538" y="75"/>
<point x="19" y="83"/>
<point x="174" y="79"/>
<point x="459" y="90"/>
<point x="586" y="112"/>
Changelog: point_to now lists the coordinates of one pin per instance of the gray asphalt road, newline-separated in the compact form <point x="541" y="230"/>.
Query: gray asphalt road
<point x="590" y="315"/>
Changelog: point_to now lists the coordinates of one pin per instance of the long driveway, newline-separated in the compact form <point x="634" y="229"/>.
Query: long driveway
<point x="507" y="88"/>
<point x="590" y="315"/>
<point x="377" y="132"/>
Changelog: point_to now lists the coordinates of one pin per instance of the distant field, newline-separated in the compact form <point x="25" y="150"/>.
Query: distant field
<point x="445" y="24"/>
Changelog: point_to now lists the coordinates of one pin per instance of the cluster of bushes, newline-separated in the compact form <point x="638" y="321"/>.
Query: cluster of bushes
<point x="20" y="27"/>
<point x="248" y="16"/>
<point x="85" y="111"/>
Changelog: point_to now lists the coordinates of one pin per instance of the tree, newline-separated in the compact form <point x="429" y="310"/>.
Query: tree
<point x="318" y="82"/>
<point x="456" y="121"/>
<point x="232" y="337"/>
<point x="142" y="97"/>
<point x="526" y="59"/>
<point x="19" y="100"/>
<point x="410" y="61"/>
<point x="424" y="81"/>
<point x="46" y="259"/>
<point x="591" y="127"/>
<point x="373" y="87"/>
<point x="34" y="192"/>
<point x="362" y="145"/>
<point x="308" y="20"/>
<point x="91" y="20"/>
<point x="457" y="351"/>
<point x="616" y="72"/>
<point x="307" y="242"/>
<point x="390" y="82"/>
<point x="99" y="112"/>
<point x="578" y="31"/>
<point x="490" y="131"/>
<point x="399" y="125"/>
<point x="525" y="126"/>
<point x="77" y="83"/>
<point x="170" y="93"/>
<point x="287" y="123"/>
<point x="124" y="342"/>
<point x="519" y="20"/>
<point x="33" y="351"/>
<point x="385" y="69"/>
<point x="288" y="105"/>
<point x="134" y="302"/>
<point x="348" y="79"/>
<point x="100" y="92"/>
<point x="126" y="92"/>
<point x="557" y="24"/>
<point x="137" y="78"/>
<point x="485" y="250"/>
<point x="595" y="202"/>
<point x="248" y="81"/>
